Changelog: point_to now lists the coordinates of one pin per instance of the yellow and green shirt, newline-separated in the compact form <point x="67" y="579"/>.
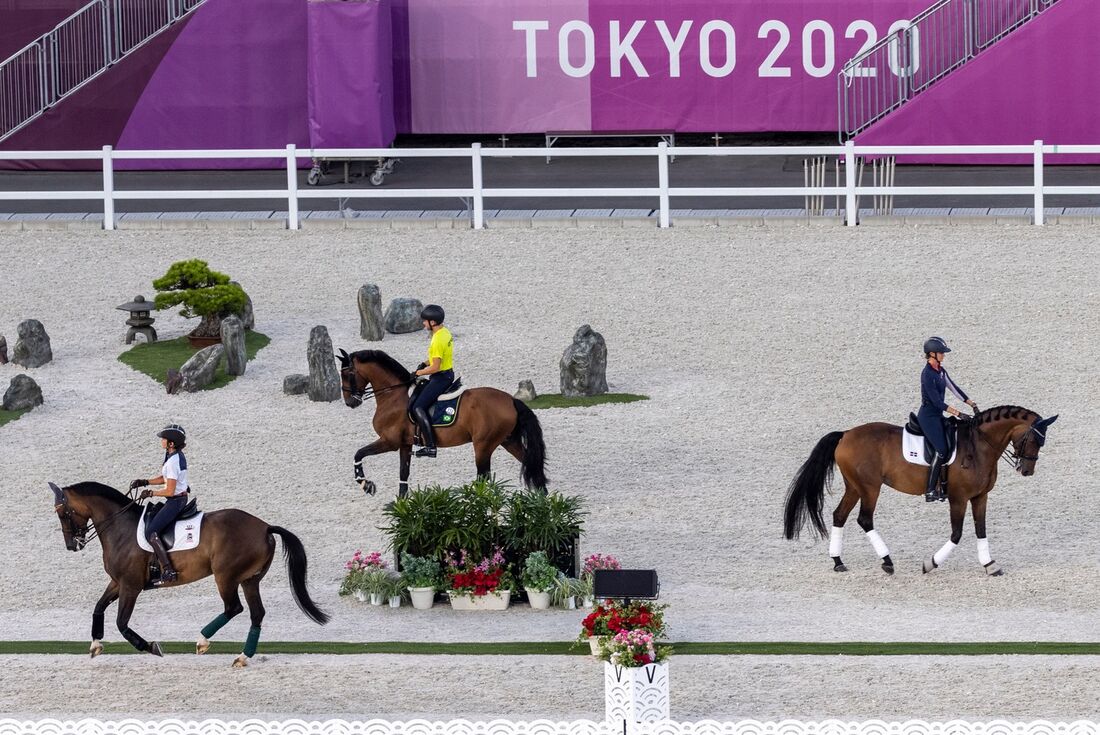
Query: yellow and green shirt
<point x="442" y="346"/>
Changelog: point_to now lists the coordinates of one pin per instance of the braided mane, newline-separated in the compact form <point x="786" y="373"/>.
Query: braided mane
<point x="1004" y="412"/>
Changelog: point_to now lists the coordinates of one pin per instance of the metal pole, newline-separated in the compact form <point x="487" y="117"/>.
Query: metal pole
<point x="108" y="189"/>
<point x="662" y="183"/>
<point x="850" y="183"/>
<point x="292" y="188"/>
<point x="479" y="198"/>
<point x="1039" y="213"/>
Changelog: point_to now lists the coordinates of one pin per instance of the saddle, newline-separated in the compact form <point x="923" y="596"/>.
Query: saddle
<point x="444" y="411"/>
<point x="190" y="518"/>
<point x="950" y="433"/>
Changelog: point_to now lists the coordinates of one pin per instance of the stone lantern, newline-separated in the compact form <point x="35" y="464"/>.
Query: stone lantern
<point x="140" y="322"/>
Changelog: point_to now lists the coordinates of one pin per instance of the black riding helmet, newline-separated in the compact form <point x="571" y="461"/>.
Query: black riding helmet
<point x="175" y="434"/>
<point x="935" y="344"/>
<point x="433" y="313"/>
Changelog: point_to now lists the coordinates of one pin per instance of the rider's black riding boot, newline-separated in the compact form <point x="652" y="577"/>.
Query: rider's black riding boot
<point x="426" y="435"/>
<point x="167" y="571"/>
<point x="935" y="490"/>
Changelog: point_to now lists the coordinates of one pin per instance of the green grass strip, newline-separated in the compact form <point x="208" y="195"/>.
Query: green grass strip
<point x="557" y="400"/>
<point x="155" y="358"/>
<point x="8" y="416"/>
<point x="794" y="648"/>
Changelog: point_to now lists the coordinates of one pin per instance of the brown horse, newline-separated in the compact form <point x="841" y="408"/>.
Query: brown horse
<point x="870" y="455"/>
<point x="489" y="418"/>
<point x="237" y="548"/>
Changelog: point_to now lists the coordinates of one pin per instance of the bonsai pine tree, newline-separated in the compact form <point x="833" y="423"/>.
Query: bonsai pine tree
<point x="202" y="292"/>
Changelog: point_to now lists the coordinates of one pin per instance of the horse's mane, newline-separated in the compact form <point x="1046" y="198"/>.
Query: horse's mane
<point x="384" y="361"/>
<point x="1003" y="412"/>
<point x="100" y="490"/>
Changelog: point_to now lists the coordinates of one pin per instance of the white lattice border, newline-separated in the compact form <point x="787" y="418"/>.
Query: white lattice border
<point x="535" y="727"/>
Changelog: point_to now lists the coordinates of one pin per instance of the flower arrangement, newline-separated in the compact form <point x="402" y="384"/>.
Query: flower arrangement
<point x="419" y="572"/>
<point x="611" y="618"/>
<point x="488" y="575"/>
<point x="588" y="574"/>
<point x="633" y="649"/>
<point x="357" y="569"/>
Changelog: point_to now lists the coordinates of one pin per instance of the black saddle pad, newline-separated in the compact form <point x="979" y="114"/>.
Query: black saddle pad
<point x="950" y="432"/>
<point x="442" y="413"/>
<point x="168" y="535"/>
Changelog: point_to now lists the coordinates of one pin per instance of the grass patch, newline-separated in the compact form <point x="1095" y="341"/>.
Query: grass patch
<point x="155" y="358"/>
<point x="8" y="416"/>
<point x="230" y="645"/>
<point x="557" y="400"/>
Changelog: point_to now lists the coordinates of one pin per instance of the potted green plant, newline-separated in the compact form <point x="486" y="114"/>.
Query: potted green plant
<point x="354" y="568"/>
<point x="394" y="589"/>
<point x="376" y="584"/>
<point x="201" y="292"/>
<point x="420" y="575"/>
<point x="565" y="591"/>
<point x="539" y="579"/>
<point x="532" y="521"/>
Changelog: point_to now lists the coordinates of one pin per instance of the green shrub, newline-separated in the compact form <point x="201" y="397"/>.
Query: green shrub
<point x="537" y="522"/>
<point x="201" y="292"/>
<point x="420" y="571"/>
<point x="538" y="573"/>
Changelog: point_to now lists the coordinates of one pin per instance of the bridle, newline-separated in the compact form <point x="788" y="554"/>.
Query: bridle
<point x="1009" y="454"/>
<point x="81" y="535"/>
<point x="368" y="390"/>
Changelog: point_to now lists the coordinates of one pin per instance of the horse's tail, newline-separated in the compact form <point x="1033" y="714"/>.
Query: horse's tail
<point x="296" y="568"/>
<point x="528" y="434"/>
<point x="807" y="491"/>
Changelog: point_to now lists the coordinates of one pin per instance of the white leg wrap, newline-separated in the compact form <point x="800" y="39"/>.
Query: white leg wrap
<point x="877" y="543"/>
<point x="944" y="553"/>
<point x="836" y="541"/>
<point x="984" y="557"/>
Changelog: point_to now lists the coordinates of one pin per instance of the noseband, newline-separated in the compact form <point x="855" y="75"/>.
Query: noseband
<point x="1009" y="453"/>
<point x="81" y="535"/>
<point x="367" y="391"/>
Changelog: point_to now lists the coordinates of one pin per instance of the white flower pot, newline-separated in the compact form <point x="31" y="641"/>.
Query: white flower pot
<point x="539" y="600"/>
<point x="491" y="601"/>
<point x="589" y="602"/>
<point x="594" y="643"/>
<point x="376" y="598"/>
<point x="361" y="595"/>
<point x="422" y="597"/>
<point x="570" y="603"/>
<point x="635" y="694"/>
<point x="395" y="601"/>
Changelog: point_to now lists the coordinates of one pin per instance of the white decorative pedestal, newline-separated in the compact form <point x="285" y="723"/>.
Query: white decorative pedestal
<point x="635" y="694"/>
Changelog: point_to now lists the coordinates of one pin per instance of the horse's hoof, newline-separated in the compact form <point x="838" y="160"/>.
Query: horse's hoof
<point x="840" y="568"/>
<point x="368" y="486"/>
<point x="888" y="568"/>
<point x="930" y="565"/>
<point x="202" y="646"/>
<point x="154" y="648"/>
<point x="993" y="569"/>
<point x="95" y="649"/>
<point x="240" y="662"/>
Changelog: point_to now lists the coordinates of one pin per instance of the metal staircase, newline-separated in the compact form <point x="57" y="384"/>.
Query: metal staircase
<point x="916" y="54"/>
<point x="76" y="51"/>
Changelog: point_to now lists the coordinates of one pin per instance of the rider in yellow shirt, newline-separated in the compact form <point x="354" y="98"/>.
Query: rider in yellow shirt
<point x="439" y="370"/>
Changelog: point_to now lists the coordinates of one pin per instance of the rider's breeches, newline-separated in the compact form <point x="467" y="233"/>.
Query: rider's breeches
<point x="931" y="423"/>
<point x="166" y="515"/>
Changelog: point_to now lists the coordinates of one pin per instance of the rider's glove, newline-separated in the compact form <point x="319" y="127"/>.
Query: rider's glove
<point x="145" y="494"/>
<point x="138" y="483"/>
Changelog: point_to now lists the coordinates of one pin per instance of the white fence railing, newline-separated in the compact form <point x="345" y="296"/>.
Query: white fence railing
<point x="478" y="192"/>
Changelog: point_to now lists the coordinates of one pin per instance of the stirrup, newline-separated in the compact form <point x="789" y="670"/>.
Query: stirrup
<point x="425" y="452"/>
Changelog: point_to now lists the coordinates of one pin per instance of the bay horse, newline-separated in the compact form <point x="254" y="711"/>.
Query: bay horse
<point x="489" y="418"/>
<point x="234" y="546"/>
<point x="870" y="456"/>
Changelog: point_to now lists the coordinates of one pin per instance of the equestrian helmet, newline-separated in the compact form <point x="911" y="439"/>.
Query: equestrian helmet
<point x="935" y="344"/>
<point x="433" y="313"/>
<point x="173" y="433"/>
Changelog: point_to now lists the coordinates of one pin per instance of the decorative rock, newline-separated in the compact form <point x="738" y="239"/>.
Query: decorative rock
<point x="403" y="316"/>
<point x="371" y="324"/>
<point x="32" y="348"/>
<point x="233" y="340"/>
<point x="584" y="364"/>
<point x="324" y="380"/>
<point x="247" y="317"/>
<point x="22" y="393"/>
<point x="3" y="349"/>
<point x="526" y="391"/>
<point x="198" y="372"/>
<point x="295" y="385"/>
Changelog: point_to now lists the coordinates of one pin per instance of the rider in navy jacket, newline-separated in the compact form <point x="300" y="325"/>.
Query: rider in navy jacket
<point x="934" y="383"/>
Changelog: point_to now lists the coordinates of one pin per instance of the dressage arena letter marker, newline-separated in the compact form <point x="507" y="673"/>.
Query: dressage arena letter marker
<point x="530" y="28"/>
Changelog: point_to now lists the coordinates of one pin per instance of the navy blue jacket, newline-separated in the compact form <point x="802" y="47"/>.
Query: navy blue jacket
<point x="933" y="385"/>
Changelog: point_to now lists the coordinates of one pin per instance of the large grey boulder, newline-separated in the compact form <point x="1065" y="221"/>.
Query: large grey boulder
<point x="584" y="364"/>
<point x="526" y="391"/>
<point x="403" y="316"/>
<point x="32" y="347"/>
<point x="198" y="372"/>
<point x="371" y="323"/>
<point x="296" y="385"/>
<point x="324" y="380"/>
<point x="236" y="357"/>
<point x="247" y="317"/>
<point x="22" y="393"/>
<point x="3" y="349"/>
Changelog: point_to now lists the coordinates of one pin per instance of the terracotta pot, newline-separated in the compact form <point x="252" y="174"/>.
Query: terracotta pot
<point x="199" y="342"/>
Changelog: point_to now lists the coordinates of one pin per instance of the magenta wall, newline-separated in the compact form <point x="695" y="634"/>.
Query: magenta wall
<point x="1038" y="83"/>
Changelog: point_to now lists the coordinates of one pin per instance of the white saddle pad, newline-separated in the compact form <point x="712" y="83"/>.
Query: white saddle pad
<point x="187" y="534"/>
<point x="912" y="448"/>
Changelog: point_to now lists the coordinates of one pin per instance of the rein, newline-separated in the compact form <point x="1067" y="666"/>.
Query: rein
<point x="85" y="537"/>
<point x="368" y="390"/>
<point x="1008" y="454"/>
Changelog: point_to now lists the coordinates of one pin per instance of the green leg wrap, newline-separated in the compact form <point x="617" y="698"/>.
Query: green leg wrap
<point x="253" y="639"/>
<point x="214" y="626"/>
